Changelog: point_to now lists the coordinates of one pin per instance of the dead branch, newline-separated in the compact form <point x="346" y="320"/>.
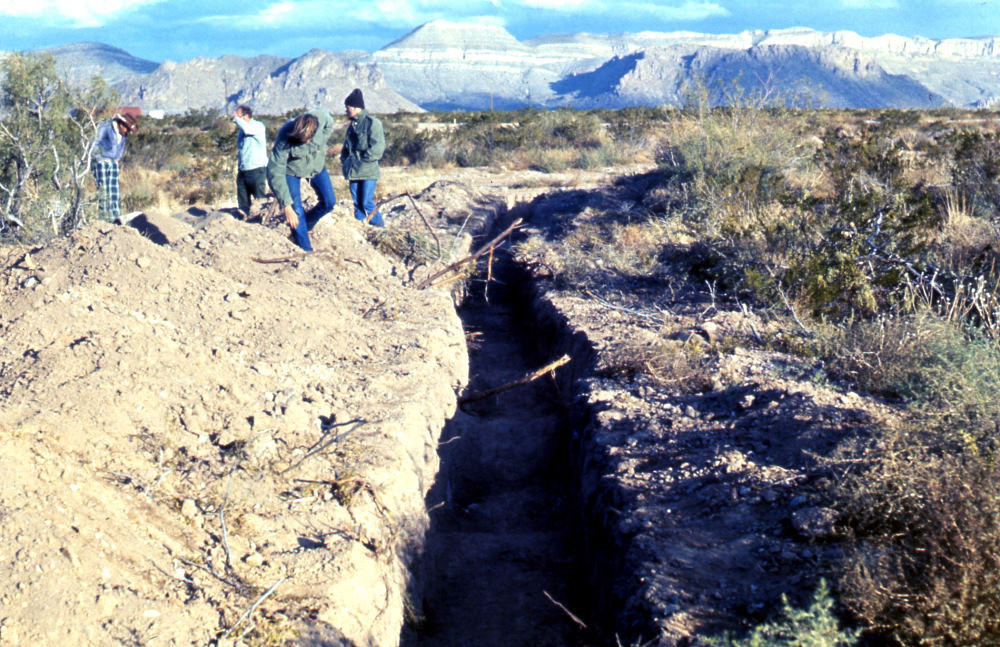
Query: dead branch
<point x="657" y="319"/>
<point x="471" y="258"/>
<point x="249" y="612"/>
<point x="222" y="515"/>
<point x="378" y="306"/>
<point x="236" y="584"/>
<point x="292" y="257"/>
<point x="322" y="443"/>
<point x="565" y="610"/>
<point x="426" y="224"/>
<point x="530" y="377"/>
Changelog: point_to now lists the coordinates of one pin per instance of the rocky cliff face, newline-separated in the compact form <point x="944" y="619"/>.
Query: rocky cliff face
<point x="271" y="85"/>
<point x="447" y="66"/>
<point x="444" y="65"/>
<point x="82" y="61"/>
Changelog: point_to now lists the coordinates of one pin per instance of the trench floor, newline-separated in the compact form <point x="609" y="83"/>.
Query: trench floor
<point x="500" y="552"/>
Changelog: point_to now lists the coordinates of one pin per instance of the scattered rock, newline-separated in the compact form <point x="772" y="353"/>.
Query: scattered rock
<point x="815" y="523"/>
<point x="189" y="509"/>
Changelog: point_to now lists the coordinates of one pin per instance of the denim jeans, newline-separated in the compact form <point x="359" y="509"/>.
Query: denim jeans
<point x="307" y="219"/>
<point x="363" y="195"/>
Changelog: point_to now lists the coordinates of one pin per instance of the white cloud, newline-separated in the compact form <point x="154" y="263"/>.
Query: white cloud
<point x="407" y="13"/>
<point x="673" y="11"/>
<point x="685" y="11"/>
<point x="563" y="5"/>
<point x="77" y="13"/>
<point x="870" y="4"/>
<point x="277" y="13"/>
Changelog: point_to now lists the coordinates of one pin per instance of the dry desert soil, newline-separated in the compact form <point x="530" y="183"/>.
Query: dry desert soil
<point x="209" y="438"/>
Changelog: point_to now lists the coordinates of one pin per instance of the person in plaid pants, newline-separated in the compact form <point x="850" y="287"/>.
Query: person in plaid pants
<point x="107" y="149"/>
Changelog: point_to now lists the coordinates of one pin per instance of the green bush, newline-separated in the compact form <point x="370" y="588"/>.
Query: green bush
<point x="815" y="626"/>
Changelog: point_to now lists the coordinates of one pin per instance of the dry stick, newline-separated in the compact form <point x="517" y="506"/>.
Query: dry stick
<point x="530" y="377"/>
<point x="454" y="241"/>
<point x="639" y="313"/>
<point x="488" y="247"/>
<point x="281" y="259"/>
<point x="256" y="604"/>
<point x="239" y="586"/>
<point x="565" y="610"/>
<point x="320" y="445"/>
<point x="489" y="277"/>
<point x="299" y="256"/>
<point x="381" y="304"/>
<point x="222" y="514"/>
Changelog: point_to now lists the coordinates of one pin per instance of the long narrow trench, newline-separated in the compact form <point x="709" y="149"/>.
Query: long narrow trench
<point x="499" y="554"/>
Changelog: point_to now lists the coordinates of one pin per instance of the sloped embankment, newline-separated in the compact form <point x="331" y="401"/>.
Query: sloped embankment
<point x="702" y="461"/>
<point x="186" y="433"/>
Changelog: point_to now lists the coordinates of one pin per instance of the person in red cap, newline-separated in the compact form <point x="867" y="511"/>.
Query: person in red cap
<point x="363" y="148"/>
<point x="107" y="149"/>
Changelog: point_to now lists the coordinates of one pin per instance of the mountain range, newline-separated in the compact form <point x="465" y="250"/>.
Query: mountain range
<point x="458" y="66"/>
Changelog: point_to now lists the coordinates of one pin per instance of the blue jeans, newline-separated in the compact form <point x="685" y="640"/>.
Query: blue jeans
<point x="307" y="219"/>
<point x="363" y="195"/>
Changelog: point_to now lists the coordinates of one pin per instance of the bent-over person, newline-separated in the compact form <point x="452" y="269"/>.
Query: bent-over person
<point x="299" y="153"/>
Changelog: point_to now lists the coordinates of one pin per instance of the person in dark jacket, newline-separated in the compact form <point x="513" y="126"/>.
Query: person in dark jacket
<point x="299" y="153"/>
<point x="363" y="148"/>
<point x="107" y="148"/>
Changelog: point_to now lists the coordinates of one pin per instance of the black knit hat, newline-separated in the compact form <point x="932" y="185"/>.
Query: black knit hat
<point x="355" y="99"/>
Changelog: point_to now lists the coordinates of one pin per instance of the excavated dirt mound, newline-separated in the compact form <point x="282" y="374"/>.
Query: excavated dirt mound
<point x="184" y="428"/>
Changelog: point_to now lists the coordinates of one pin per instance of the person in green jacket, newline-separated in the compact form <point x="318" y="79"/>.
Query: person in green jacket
<point x="299" y="153"/>
<point x="363" y="148"/>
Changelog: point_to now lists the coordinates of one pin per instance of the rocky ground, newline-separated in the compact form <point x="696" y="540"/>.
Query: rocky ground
<point x="210" y="438"/>
<point x="704" y="485"/>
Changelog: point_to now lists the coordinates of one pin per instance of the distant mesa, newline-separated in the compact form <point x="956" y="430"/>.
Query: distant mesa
<point x="445" y="65"/>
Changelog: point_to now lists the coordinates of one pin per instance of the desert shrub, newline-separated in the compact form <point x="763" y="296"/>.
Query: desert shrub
<point x="965" y="243"/>
<point x="923" y="568"/>
<point x="598" y="247"/>
<point x="947" y="372"/>
<point x="815" y="626"/>
<point x="975" y="162"/>
<point x="406" y="146"/>
<point x="735" y="158"/>
<point x="46" y="129"/>
<point x="873" y="225"/>
<point x="193" y="157"/>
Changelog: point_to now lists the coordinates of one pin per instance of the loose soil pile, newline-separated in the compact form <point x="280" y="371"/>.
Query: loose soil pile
<point x="184" y="428"/>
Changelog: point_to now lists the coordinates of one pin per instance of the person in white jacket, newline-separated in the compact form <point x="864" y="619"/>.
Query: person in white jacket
<point x="251" y="146"/>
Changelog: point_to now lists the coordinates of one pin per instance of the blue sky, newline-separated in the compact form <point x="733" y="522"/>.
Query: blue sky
<point x="167" y="29"/>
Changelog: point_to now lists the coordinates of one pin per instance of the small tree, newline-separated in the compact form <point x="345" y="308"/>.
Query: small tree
<point x="46" y="128"/>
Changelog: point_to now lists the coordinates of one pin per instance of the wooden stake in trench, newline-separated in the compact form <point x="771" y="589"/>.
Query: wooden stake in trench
<point x="530" y="377"/>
